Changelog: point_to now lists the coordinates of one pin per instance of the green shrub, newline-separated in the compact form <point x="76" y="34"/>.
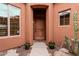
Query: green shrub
<point x="27" y="46"/>
<point x="51" y="45"/>
<point x="67" y="42"/>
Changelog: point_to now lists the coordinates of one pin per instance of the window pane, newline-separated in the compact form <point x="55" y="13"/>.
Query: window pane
<point x="67" y="17"/>
<point x="64" y="18"/>
<point x="3" y="20"/>
<point x="61" y="20"/>
<point x="14" y="20"/>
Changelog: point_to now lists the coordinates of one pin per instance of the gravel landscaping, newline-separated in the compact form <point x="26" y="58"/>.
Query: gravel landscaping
<point x="2" y="53"/>
<point x="39" y="48"/>
<point x="19" y="51"/>
<point x="22" y="52"/>
<point x="51" y="51"/>
<point x="59" y="52"/>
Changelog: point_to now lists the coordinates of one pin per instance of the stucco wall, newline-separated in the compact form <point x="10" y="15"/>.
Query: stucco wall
<point x="61" y="31"/>
<point x="10" y="42"/>
<point x="54" y="32"/>
<point x="29" y="22"/>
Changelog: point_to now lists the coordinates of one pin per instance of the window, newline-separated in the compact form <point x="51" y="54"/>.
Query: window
<point x="14" y="14"/>
<point x="3" y="20"/>
<point x="9" y="20"/>
<point x="64" y="17"/>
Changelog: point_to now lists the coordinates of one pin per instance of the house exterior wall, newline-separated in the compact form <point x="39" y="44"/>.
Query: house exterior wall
<point x="11" y="42"/>
<point x="29" y="21"/>
<point x="61" y="31"/>
<point x="54" y="32"/>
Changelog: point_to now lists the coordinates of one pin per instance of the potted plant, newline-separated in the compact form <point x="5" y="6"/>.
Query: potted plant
<point x="27" y="46"/>
<point x="51" y="45"/>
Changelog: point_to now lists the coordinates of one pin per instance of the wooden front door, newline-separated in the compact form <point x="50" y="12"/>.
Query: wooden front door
<point x="39" y="26"/>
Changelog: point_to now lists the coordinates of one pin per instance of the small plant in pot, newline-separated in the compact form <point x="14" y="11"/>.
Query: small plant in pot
<point x="51" y="45"/>
<point x="27" y="46"/>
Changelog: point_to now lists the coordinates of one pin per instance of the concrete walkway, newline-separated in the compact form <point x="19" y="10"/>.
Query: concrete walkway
<point x="39" y="49"/>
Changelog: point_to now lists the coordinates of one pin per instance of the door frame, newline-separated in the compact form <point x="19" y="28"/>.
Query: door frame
<point x="44" y="7"/>
<point x="49" y="22"/>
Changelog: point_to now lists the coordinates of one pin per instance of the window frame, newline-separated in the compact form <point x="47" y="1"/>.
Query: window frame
<point x="7" y="21"/>
<point x="9" y="36"/>
<point x="64" y="11"/>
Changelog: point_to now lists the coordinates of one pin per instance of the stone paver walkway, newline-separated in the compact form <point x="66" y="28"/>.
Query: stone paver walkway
<point x="39" y="49"/>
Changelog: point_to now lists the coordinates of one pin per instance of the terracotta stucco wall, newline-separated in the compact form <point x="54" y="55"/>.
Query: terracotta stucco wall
<point x="10" y="42"/>
<point x="29" y="22"/>
<point x="54" y="32"/>
<point x="49" y="23"/>
<point x="61" y="31"/>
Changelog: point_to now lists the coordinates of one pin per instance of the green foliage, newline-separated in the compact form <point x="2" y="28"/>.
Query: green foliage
<point x="27" y="45"/>
<point x="67" y="42"/>
<point x="75" y="48"/>
<point x="51" y="45"/>
<point x="75" y="21"/>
